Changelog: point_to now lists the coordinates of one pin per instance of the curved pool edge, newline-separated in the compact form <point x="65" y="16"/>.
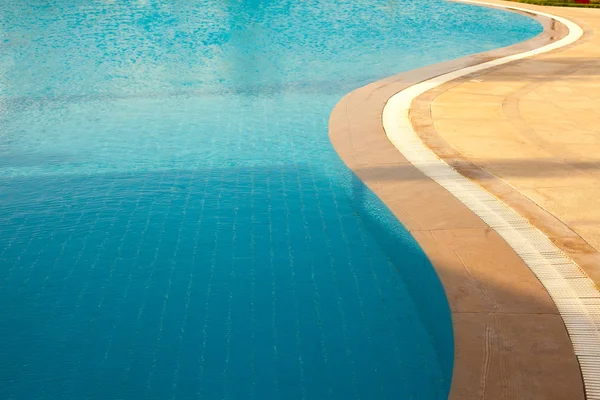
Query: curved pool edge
<point x="509" y="335"/>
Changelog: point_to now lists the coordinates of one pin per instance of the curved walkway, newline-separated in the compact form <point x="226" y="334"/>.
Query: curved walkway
<point x="510" y="341"/>
<point x="535" y="125"/>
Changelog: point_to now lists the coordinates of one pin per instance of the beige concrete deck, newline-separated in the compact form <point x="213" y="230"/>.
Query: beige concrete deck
<point x="534" y="126"/>
<point x="510" y="341"/>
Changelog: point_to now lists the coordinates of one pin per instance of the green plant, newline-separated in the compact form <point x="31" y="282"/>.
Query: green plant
<point x="561" y="3"/>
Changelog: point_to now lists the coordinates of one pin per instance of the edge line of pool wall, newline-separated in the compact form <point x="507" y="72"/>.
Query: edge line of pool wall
<point x="525" y="316"/>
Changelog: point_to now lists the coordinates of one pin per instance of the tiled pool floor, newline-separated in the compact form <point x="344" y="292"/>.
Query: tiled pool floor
<point x="195" y="295"/>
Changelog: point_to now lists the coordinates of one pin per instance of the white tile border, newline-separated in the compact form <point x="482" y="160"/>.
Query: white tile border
<point x="574" y="293"/>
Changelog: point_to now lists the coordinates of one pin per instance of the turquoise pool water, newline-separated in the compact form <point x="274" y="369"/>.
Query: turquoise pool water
<point x="175" y="222"/>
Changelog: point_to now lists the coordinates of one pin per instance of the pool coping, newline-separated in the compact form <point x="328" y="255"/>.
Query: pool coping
<point x="487" y="315"/>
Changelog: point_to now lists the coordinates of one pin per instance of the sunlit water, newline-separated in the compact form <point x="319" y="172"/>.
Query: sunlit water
<point x="175" y="223"/>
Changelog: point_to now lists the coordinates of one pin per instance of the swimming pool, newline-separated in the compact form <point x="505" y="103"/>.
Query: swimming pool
<point x="175" y="223"/>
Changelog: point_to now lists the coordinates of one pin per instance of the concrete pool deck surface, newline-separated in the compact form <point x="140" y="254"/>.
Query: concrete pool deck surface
<point x="541" y="142"/>
<point x="510" y="340"/>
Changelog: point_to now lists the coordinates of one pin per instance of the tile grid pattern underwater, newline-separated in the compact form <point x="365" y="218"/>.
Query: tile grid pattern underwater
<point x="175" y="223"/>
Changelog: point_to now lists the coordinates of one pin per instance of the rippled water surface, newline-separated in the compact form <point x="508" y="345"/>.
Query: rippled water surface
<point x="174" y="221"/>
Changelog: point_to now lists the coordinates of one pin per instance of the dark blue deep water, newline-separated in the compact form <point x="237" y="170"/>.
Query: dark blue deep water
<point x="174" y="221"/>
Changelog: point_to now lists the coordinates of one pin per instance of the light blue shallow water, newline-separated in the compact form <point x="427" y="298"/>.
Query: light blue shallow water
<point x="175" y="223"/>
